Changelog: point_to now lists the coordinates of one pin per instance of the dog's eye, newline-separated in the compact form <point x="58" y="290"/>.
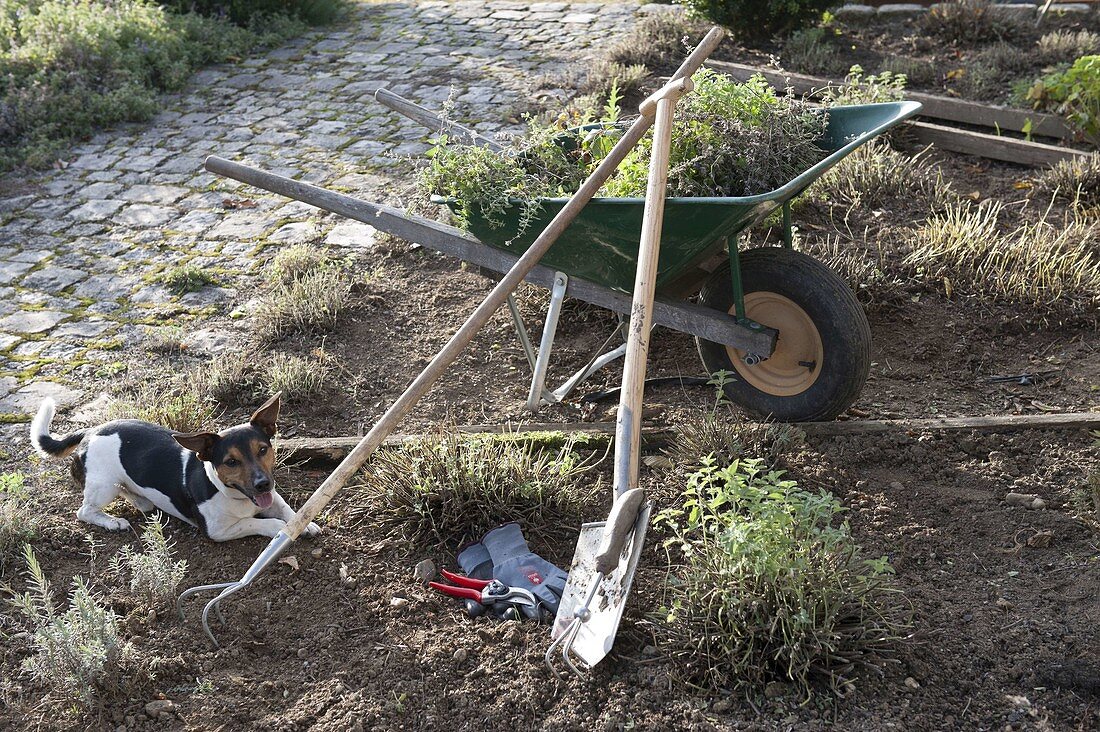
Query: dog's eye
<point x="232" y="463"/>
<point x="263" y="450"/>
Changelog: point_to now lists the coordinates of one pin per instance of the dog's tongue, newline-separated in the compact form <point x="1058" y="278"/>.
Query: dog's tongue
<point x="263" y="500"/>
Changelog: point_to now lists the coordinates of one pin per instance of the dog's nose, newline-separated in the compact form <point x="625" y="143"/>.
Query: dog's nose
<point x="262" y="485"/>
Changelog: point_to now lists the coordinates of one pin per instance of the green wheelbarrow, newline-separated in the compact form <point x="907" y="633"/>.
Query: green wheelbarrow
<point x="822" y="352"/>
<point x="786" y="326"/>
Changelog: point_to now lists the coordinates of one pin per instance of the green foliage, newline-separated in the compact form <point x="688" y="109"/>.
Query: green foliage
<point x="186" y="278"/>
<point x="75" y="649"/>
<point x="247" y="12"/>
<point x="728" y="139"/>
<point x="860" y="88"/>
<point x="176" y="404"/>
<point x="153" y="575"/>
<point x="811" y="51"/>
<point x="70" y="66"/>
<point x="449" y="489"/>
<point x="764" y="584"/>
<point x="917" y="72"/>
<point x="1074" y="93"/>
<point x="19" y="520"/>
<point x="760" y="19"/>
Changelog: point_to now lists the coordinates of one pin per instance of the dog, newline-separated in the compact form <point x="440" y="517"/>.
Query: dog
<point x="222" y="483"/>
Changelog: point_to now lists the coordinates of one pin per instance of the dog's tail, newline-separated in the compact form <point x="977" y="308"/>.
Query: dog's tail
<point x="45" y="443"/>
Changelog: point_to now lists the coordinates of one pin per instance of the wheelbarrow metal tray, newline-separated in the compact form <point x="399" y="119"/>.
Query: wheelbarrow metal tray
<point x="602" y="243"/>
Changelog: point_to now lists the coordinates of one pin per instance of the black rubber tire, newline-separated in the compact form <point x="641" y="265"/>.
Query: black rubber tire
<point x="836" y="314"/>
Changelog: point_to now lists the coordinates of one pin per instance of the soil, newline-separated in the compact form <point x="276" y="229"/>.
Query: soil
<point x="1006" y="631"/>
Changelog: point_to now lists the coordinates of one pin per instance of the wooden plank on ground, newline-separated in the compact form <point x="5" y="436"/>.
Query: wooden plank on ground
<point x="993" y="147"/>
<point x="335" y="448"/>
<point x="935" y="106"/>
<point x="1004" y="423"/>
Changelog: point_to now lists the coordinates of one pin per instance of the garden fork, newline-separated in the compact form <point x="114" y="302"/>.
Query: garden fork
<point x="442" y="360"/>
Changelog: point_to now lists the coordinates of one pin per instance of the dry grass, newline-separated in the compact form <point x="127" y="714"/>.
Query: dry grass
<point x="1049" y="265"/>
<point x="1058" y="47"/>
<point x="309" y="304"/>
<point x="292" y="263"/>
<point x="810" y="51"/>
<point x="178" y="404"/>
<point x="1077" y="181"/>
<point x="658" y="41"/>
<point x="868" y="272"/>
<point x="721" y="437"/>
<point x="448" y="489"/>
<point x="294" y="376"/>
<point x="972" y="22"/>
<point x="876" y="174"/>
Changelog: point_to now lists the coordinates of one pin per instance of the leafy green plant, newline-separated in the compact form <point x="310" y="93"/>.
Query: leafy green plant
<point x="75" y="650"/>
<point x="764" y="584"/>
<point x="917" y="72"/>
<point x="19" y="520"/>
<point x="70" y="66"/>
<point x="861" y="88"/>
<point x="153" y="575"/>
<point x="760" y="19"/>
<point x="1073" y="93"/>
<point x="450" y="489"/>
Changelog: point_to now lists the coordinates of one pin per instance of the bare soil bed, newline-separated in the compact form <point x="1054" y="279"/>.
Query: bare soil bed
<point x="1006" y="631"/>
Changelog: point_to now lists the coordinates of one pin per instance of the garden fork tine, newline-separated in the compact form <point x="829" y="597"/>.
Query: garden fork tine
<point x="447" y="355"/>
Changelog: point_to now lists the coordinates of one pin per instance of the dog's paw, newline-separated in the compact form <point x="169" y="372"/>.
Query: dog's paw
<point x="312" y="530"/>
<point x="115" y="524"/>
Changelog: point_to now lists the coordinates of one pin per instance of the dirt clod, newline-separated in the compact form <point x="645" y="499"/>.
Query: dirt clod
<point x="1027" y="500"/>
<point x="424" y="570"/>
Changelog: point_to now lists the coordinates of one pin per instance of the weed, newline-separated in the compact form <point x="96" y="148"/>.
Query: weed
<point x="229" y="378"/>
<point x="75" y="650"/>
<point x="659" y="41"/>
<point x="291" y="264"/>
<point x="1076" y="180"/>
<point x="309" y="304"/>
<point x="868" y="273"/>
<point x="812" y="51"/>
<point x="860" y="88"/>
<point x="186" y="278"/>
<point x="875" y="174"/>
<point x="720" y="437"/>
<point x="175" y="404"/>
<point x="19" y="520"/>
<point x="971" y="22"/>
<point x="165" y="339"/>
<point x="763" y="585"/>
<point x="1073" y="93"/>
<point x="294" y="376"/>
<point x="917" y="72"/>
<point x="1046" y="264"/>
<point x="450" y="489"/>
<point x="1064" y="47"/>
<point x="152" y="574"/>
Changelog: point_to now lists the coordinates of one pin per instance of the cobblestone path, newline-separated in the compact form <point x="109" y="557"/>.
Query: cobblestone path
<point x="82" y="247"/>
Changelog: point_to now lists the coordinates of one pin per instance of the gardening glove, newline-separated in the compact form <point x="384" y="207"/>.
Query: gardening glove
<point x="476" y="562"/>
<point x="516" y="565"/>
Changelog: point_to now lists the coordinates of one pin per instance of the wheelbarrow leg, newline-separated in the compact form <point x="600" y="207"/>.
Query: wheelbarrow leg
<point x="546" y="345"/>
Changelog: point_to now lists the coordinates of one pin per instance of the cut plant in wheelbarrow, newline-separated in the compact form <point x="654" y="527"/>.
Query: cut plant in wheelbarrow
<point x="739" y="154"/>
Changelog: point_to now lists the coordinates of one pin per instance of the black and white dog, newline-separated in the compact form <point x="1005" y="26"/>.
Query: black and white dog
<point x="222" y="482"/>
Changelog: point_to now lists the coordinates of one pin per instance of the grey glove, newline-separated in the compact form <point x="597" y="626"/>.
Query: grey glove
<point x="503" y="555"/>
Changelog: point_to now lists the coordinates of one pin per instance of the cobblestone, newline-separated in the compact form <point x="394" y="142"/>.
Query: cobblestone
<point x="82" y="244"/>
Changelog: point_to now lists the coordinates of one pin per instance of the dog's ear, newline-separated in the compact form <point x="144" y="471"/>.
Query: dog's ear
<point x="266" y="417"/>
<point x="200" y="443"/>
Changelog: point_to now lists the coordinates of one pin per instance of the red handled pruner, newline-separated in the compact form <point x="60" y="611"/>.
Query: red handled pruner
<point x="485" y="592"/>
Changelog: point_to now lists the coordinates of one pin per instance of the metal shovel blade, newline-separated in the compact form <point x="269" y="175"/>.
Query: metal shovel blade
<point x="595" y="637"/>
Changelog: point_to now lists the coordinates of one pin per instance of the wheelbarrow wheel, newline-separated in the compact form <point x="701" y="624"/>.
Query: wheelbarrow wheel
<point x="823" y="353"/>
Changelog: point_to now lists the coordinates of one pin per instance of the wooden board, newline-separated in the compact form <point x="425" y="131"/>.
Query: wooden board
<point x="334" y="448"/>
<point x="935" y="106"/>
<point x="992" y="147"/>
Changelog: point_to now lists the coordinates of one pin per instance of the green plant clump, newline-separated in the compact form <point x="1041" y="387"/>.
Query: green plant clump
<point x="246" y="12"/>
<point x="76" y="650"/>
<point x="186" y="278"/>
<point x="760" y="19"/>
<point x="765" y="585"/>
<point x="153" y="574"/>
<point x="728" y="139"/>
<point x="450" y="489"/>
<point x="1074" y="93"/>
<point x="19" y="519"/>
<point x="68" y="67"/>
